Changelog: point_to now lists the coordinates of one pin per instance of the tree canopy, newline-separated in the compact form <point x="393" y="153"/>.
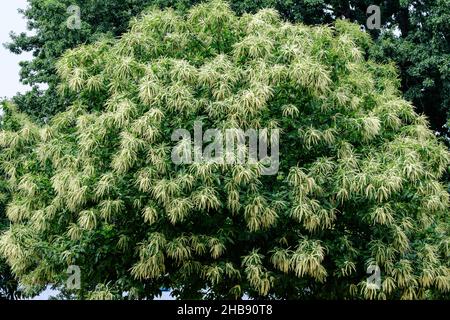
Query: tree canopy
<point x="359" y="181"/>
<point x="420" y="47"/>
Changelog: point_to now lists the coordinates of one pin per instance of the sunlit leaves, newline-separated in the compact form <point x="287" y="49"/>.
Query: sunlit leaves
<point x="307" y="259"/>
<point x="358" y="181"/>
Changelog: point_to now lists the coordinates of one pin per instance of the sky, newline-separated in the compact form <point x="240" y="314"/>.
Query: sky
<point x="11" y="20"/>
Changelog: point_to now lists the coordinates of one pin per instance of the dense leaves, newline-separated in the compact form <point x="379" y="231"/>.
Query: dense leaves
<point x="8" y="285"/>
<point x="51" y="37"/>
<point x="422" y="53"/>
<point x="415" y="37"/>
<point x="358" y="184"/>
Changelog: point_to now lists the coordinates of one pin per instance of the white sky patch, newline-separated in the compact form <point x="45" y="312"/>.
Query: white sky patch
<point x="11" y="20"/>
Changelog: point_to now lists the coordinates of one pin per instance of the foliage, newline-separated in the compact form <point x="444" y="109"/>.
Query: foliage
<point x="51" y="37"/>
<point x="8" y="285"/>
<point x="421" y="51"/>
<point x="358" y="181"/>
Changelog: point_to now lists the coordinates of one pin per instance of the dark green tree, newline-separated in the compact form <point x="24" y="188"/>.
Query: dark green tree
<point x="422" y="53"/>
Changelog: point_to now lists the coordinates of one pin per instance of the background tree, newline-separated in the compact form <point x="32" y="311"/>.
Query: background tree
<point x="422" y="53"/>
<point x="416" y="39"/>
<point x="358" y="183"/>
